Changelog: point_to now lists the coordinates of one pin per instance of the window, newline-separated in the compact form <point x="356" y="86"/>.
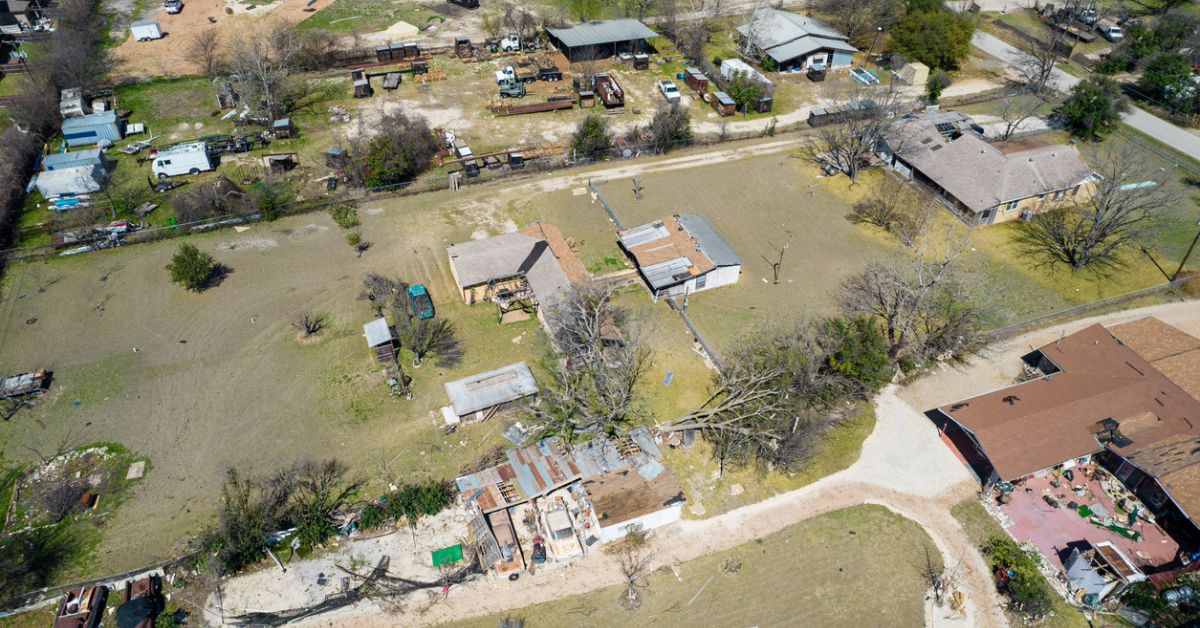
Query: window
<point x="701" y="281"/>
<point x="1011" y="206"/>
<point x="1059" y="195"/>
<point x="1074" y="190"/>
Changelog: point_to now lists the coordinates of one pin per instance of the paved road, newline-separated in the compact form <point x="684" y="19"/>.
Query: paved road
<point x="1148" y="123"/>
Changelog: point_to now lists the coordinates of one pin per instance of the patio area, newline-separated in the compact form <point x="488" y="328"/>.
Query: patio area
<point x="1042" y="513"/>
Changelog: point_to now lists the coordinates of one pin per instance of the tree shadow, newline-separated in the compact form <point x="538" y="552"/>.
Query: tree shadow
<point x="215" y="276"/>
<point x="30" y="561"/>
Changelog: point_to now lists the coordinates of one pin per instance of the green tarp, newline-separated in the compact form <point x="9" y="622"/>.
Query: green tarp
<point x="447" y="555"/>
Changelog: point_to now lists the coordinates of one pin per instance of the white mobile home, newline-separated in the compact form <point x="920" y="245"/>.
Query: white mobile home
<point x="191" y="158"/>
<point x="70" y="181"/>
<point x="681" y="254"/>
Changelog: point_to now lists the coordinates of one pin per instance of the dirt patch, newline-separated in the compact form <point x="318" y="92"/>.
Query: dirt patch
<point x="249" y="242"/>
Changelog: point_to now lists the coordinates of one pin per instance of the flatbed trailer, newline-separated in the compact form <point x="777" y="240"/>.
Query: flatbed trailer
<point x="554" y="103"/>
<point x="608" y="90"/>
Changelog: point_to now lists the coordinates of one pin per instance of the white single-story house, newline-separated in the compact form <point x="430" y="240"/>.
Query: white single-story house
<point x="71" y="181"/>
<point x="796" y="42"/>
<point x="681" y="254"/>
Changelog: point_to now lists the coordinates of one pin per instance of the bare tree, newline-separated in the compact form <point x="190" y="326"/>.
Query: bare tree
<point x="263" y="64"/>
<point x="1095" y="232"/>
<point x="637" y="8"/>
<point x="634" y="559"/>
<point x="1014" y="111"/>
<point x="1037" y="59"/>
<point x="204" y="48"/>
<point x="895" y="207"/>
<point x="858" y="18"/>
<point x="922" y="301"/>
<point x="768" y="404"/>
<point x="430" y="336"/>
<point x="863" y="120"/>
<point x="595" y="386"/>
<point x="308" y="323"/>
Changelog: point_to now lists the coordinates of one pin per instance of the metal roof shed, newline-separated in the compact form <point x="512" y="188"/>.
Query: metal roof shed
<point x="377" y="332"/>
<point x="58" y="161"/>
<point x="491" y="388"/>
<point x="600" y="38"/>
<point x="92" y="128"/>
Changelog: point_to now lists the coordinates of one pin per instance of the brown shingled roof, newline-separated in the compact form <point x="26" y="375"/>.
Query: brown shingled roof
<point x="1041" y="423"/>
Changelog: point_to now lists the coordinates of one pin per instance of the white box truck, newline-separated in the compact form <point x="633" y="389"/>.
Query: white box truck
<point x="191" y="158"/>
<point x="145" y="31"/>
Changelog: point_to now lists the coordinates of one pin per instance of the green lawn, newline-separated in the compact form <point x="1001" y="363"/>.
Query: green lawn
<point x="855" y="567"/>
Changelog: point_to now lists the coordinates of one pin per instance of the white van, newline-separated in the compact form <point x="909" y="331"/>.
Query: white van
<point x="145" y="31"/>
<point x="189" y="158"/>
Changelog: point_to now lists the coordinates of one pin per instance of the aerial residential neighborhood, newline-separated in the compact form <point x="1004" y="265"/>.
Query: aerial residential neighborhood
<point x="534" y="313"/>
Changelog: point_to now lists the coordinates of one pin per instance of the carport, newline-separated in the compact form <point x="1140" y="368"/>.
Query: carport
<point x="601" y="39"/>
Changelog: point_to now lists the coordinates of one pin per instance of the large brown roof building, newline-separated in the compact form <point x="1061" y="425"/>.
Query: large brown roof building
<point x="1130" y="392"/>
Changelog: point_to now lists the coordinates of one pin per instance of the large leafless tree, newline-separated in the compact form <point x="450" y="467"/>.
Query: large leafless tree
<point x="1095" y="233"/>
<point x="1014" y="111"/>
<point x="767" y="405"/>
<point x="894" y="206"/>
<point x="594" y="383"/>
<point x="859" y="18"/>
<point x="923" y="301"/>
<point x="263" y="65"/>
<point x="1038" y="58"/>
<point x="864" y="118"/>
<point x="204" y="48"/>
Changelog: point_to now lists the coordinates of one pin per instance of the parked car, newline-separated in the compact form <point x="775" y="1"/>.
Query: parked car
<point x="419" y="301"/>
<point x="173" y="6"/>
<point x="669" y="90"/>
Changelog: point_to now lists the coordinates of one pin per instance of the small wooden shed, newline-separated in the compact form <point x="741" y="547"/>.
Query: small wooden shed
<point x="282" y="128"/>
<point x="380" y="339"/>
<point x="722" y="103"/>
<point x="696" y="80"/>
<point x="915" y="73"/>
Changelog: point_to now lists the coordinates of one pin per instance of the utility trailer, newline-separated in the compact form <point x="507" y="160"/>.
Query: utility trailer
<point x="391" y="81"/>
<point x="608" y="90"/>
<point x="553" y="103"/>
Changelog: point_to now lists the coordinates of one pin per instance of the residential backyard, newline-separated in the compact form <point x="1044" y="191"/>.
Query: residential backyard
<point x="861" y="566"/>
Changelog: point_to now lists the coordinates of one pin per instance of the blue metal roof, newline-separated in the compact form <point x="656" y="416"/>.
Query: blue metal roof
<point x="711" y="242"/>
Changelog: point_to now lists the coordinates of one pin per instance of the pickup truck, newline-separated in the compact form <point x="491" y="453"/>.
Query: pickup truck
<point x="1109" y="30"/>
<point x="669" y="91"/>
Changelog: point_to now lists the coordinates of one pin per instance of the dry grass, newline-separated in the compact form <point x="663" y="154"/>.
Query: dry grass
<point x="855" y="567"/>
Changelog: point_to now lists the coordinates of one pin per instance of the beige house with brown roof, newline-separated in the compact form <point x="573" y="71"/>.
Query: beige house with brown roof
<point x="985" y="182"/>
<point x="532" y="268"/>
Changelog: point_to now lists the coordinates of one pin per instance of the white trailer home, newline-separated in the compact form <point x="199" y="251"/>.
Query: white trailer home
<point x="681" y="254"/>
<point x="191" y="158"/>
<point x="145" y="31"/>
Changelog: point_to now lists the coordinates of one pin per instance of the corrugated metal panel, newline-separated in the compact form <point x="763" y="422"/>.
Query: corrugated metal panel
<point x="56" y="161"/>
<point x="602" y="32"/>
<point x="491" y="388"/>
<point x="642" y="234"/>
<point x="377" y="332"/>
<point x="664" y="274"/>
<point x="711" y="242"/>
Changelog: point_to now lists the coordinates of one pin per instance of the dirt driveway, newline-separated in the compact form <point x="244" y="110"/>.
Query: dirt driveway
<point x="169" y="57"/>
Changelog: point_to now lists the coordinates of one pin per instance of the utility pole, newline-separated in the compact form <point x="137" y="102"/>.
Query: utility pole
<point x="777" y="264"/>
<point x="1191" y="247"/>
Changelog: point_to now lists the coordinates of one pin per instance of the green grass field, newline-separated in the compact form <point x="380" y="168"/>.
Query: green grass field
<point x="855" y="567"/>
